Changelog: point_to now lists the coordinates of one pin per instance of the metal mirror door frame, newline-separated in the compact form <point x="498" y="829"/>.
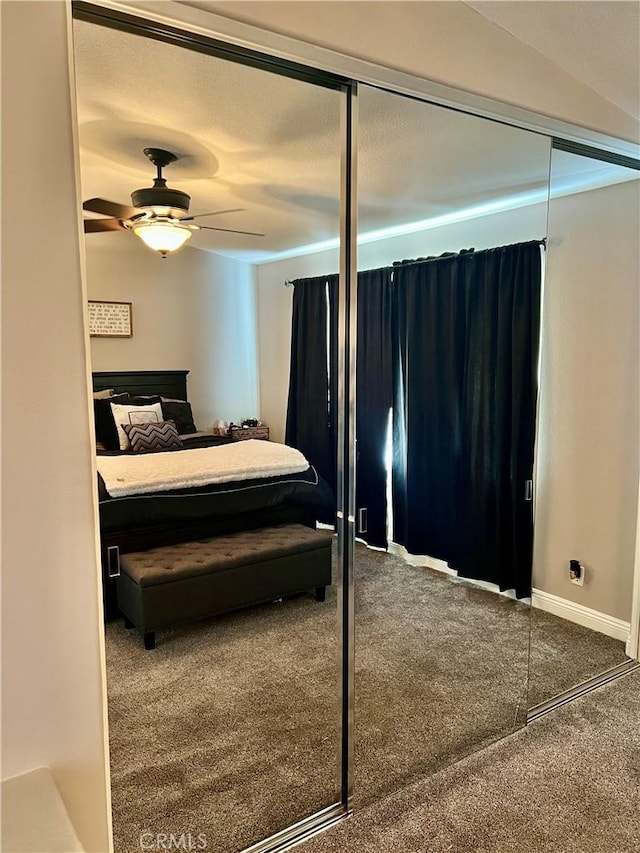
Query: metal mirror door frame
<point x="148" y="28"/>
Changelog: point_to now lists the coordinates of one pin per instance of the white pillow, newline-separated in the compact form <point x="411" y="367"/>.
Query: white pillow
<point x="134" y="415"/>
<point x="100" y="395"/>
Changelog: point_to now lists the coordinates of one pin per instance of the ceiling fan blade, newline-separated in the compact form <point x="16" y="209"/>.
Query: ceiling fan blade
<point x="94" y="225"/>
<point x="230" y="230"/>
<point x="110" y="208"/>
<point x="215" y="213"/>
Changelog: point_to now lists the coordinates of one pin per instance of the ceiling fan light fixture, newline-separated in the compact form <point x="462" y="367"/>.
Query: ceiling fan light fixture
<point x="162" y="237"/>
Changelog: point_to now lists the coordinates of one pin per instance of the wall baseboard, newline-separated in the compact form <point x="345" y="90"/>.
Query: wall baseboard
<point x="581" y="615"/>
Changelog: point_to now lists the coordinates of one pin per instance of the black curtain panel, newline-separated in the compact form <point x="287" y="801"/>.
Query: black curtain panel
<point x="494" y="518"/>
<point x="428" y="351"/>
<point x="374" y="399"/>
<point x="309" y="425"/>
<point x="450" y="344"/>
<point x="465" y="400"/>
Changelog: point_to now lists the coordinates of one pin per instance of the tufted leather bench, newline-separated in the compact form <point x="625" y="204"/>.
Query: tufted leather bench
<point x="191" y="580"/>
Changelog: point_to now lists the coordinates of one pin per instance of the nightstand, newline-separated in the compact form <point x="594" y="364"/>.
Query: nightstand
<point x="243" y="433"/>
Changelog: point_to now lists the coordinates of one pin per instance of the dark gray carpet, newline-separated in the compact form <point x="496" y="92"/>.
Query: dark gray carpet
<point x="441" y="670"/>
<point x="231" y="726"/>
<point x="564" y="654"/>
<point x="568" y="783"/>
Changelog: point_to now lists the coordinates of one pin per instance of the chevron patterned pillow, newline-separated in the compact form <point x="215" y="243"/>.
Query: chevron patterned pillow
<point x="147" y="437"/>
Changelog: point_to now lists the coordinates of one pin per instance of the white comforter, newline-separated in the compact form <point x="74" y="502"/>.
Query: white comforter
<point x="157" y="472"/>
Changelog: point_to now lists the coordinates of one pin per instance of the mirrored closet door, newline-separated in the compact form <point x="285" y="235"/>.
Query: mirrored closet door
<point x="452" y="220"/>
<point x="222" y="634"/>
<point x="495" y="370"/>
<point x="587" y="451"/>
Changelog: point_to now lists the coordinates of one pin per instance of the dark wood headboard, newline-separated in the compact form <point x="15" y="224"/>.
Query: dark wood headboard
<point x="166" y="383"/>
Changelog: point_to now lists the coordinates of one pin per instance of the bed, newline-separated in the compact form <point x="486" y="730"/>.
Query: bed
<point x="139" y="522"/>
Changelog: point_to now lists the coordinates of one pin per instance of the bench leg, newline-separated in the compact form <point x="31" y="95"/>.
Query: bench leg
<point x="149" y="638"/>
<point x="320" y="593"/>
<point x="128" y="623"/>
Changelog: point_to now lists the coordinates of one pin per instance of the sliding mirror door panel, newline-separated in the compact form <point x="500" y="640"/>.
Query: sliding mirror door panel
<point x="587" y="454"/>
<point x="452" y="218"/>
<point x="226" y="729"/>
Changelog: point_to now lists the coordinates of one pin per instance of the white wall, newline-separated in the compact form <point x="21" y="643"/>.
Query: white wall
<point x="588" y="423"/>
<point x="275" y="300"/>
<point x="52" y="685"/>
<point x="195" y="310"/>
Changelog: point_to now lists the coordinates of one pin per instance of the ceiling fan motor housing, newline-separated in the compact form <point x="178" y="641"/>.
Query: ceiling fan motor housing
<point x="160" y="198"/>
<point x="172" y="202"/>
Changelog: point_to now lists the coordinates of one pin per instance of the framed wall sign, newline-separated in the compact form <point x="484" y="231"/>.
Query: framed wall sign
<point x="110" y="319"/>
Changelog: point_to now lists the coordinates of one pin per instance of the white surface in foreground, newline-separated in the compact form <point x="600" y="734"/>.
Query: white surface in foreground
<point x="34" y="818"/>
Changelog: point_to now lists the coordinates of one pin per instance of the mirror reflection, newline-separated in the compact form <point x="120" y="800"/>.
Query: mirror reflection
<point x="492" y="369"/>
<point x="448" y="328"/>
<point x="587" y="455"/>
<point x="222" y="643"/>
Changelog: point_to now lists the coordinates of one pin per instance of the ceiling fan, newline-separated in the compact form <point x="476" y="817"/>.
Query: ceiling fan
<point x="158" y="212"/>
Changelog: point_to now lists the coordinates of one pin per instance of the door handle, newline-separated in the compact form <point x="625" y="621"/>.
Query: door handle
<point x="113" y="561"/>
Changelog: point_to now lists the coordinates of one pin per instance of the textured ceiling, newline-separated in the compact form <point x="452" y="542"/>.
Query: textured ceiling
<point x="596" y="42"/>
<point x="244" y="138"/>
<point x="253" y="140"/>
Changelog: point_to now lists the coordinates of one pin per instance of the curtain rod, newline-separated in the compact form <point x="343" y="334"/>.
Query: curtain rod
<point x="288" y="282"/>
<point x="542" y="242"/>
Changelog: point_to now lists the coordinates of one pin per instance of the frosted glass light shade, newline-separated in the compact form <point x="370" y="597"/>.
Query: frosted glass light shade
<point x="163" y="237"/>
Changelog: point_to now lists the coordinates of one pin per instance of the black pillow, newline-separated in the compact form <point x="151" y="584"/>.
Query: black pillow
<point x="106" y="432"/>
<point x="181" y="414"/>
